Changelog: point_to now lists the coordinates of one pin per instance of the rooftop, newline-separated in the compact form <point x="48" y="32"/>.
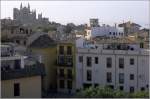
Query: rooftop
<point x="42" y="42"/>
<point x="28" y="71"/>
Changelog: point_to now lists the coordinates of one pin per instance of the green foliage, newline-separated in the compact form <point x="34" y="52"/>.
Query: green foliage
<point x="139" y="94"/>
<point x="69" y="28"/>
<point x="106" y="92"/>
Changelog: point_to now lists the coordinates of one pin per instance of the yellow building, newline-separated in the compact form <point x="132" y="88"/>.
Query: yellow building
<point x="22" y="83"/>
<point x="66" y="67"/>
<point x="46" y="47"/>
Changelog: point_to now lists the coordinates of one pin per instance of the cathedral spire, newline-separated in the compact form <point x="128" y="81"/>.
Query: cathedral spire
<point x="21" y="6"/>
<point x="28" y="6"/>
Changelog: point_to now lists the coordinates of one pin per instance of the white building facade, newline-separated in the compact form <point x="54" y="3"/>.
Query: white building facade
<point x="104" y="31"/>
<point x="107" y="31"/>
<point x="127" y="70"/>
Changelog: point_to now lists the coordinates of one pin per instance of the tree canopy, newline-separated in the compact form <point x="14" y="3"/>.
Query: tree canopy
<point x="106" y="92"/>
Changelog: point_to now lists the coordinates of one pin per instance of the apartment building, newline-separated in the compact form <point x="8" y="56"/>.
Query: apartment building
<point x="130" y="27"/>
<point x="44" y="46"/>
<point x="66" y="67"/>
<point x="18" y="79"/>
<point x="118" y="67"/>
<point x="104" y="31"/>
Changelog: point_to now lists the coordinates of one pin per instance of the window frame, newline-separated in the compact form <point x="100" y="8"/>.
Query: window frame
<point x="131" y="89"/>
<point x="132" y="61"/>
<point x="69" y="50"/>
<point x="109" y="77"/>
<point x="121" y="63"/>
<point x="80" y="59"/>
<point x="89" y="75"/>
<point x="121" y="78"/>
<point x="89" y="61"/>
<point x="60" y="84"/>
<point x="96" y="60"/>
<point x="16" y="89"/>
<point x="108" y="62"/>
<point x="61" y="50"/>
<point x="131" y="76"/>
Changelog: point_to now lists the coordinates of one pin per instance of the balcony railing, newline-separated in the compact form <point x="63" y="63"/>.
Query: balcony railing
<point x="65" y="61"/>
<point x="65" y="76"/>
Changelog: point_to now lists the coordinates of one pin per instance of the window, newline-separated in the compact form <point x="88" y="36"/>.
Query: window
<point x="89" y="75"/>
<point x="61" y="72"/>
<point x="80" y="59"/>
<point x="69" y="73"/>
<point x="16" y="89"/>
<point x="131" y="89"/>
<point x="131" y="76"/>
<point x="24" y="42"/>
<point x="109" y="78"/>
<point x="61" y="50"/>
<point x="131" y="61"/>
<point x="89" y="61"/>
<point x="17" y="64"/>
<point x="111" y="86"/>
<point x="61" y="84"/>
<point x="12" y="31"/>
<point x="141" y="45"/>
<point x="96" y="60"/>
<point x="142" y="89"/>
<point x="61" y="60"/>
<point x="96" y="85"/>
<point x="26" y="31"/>
<point x="113" y="33"/>
<point x="109" y="62"/>
<point x="30" y="31"/>
<point x="121" y="63"/>
<point x="69" y="50"/>
<point x="121" y="88"/>
<point x="121" y="78"/>
<point x="69" y="84"/>
<point x="69" y="61"/>
<point x="17" y="41"/>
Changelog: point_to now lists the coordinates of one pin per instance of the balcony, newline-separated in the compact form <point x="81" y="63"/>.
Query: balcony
<point x="65" y="61"/>
<point x="65" y="76"/>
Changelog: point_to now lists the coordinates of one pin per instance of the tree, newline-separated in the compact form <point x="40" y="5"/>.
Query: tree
<point x="69" y="28"/>
<point x="106" y="92"/>
<point x="139" y="94"/>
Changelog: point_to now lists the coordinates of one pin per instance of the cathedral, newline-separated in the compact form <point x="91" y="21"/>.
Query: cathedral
<point x="25" y="16"/>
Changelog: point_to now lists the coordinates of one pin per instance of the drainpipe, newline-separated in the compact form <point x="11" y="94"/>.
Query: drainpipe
<point x="115" y="71"/>
<point x="137" y="71"/>
<point x="82" y="72"/>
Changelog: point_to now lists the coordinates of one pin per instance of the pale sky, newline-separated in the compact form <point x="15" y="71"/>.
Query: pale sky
<point x="79" y="12"/>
